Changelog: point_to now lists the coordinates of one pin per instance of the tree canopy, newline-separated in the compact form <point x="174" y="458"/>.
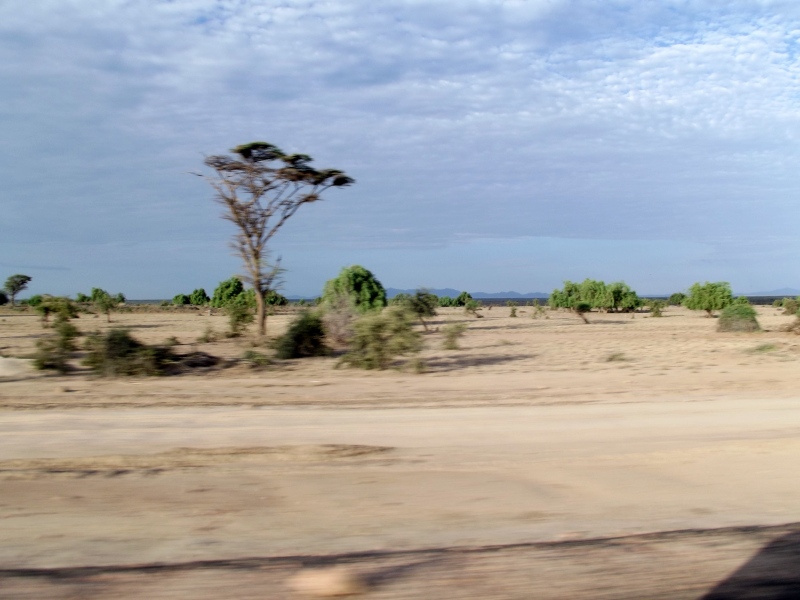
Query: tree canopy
<point x="16" y="284"/>
<point x="709" y="296"/>
<point x="261" y="187"/>
<point x="358" y="285"/>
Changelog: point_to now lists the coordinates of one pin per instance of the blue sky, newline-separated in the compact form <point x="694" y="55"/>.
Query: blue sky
<point x="497" y="145"/>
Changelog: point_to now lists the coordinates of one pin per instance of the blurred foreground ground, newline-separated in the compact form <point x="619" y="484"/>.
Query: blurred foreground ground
<point x="630" y="458"/>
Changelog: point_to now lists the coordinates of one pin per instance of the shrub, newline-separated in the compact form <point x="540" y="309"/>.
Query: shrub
<point x="676" y="299"/>
<point x="33" y="301"/>
<point x="462" y="299"/>
<point x="422" y="304"/>
<point x="256" y="359"/>
<point x="379" y="337"/>
<point x="790" y="306"/>
<point x="581" y="308"/>
<point x="227" y="291"/>
<point x="400" y="298"/>
<point x="657" y="308"/>
<point x="240" y="315"/>
<point x="359" y="285"/>
<point x="82" y="298"/>
<point x="742" y="300"/>
<point x="305" y="337"/>
<point x="199" y="297"/>
<point x="709" y="297"/>
<point x="181" y="300"/>
<point x="54" y="352"/>
<point x="471" y="307"/>
<point x="446" y="301"/>
<point x="117" y="353"/>
<point x="452" y="333"/>
<point x="339" y="315"/>
<point x="60" y="306"/>
<point x="104" y="302"/>
<point x="617" y="296"/>
<point x="738" y="317"/>
<point x="777" y="303"/>
<point x="513" y="306"/>
<point x="273" y="298"/>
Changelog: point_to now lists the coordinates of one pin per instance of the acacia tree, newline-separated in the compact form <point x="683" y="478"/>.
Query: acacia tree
<point x="15" y="284"/>
<point x="260" y="188"/>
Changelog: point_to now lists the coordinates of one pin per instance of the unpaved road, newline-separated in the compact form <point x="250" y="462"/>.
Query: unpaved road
<point x="510" y="502"/>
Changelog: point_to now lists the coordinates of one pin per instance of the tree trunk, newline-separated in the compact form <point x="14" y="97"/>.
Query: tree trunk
<point x="261" y="312"/>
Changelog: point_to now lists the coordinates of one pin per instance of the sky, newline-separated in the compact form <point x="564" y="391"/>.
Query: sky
<point x="496" y="144"/>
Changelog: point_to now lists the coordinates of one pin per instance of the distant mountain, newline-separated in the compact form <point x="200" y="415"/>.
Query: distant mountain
<point x="781" y="292"/>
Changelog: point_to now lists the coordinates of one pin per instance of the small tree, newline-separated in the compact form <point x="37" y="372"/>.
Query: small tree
<point x="359" y="285"/>
<point x="261" y="188"/>
<point x="82" y="298"/>
<point x="104" y="302"/>
<point x="199" y="297"/>
<point x="226" y="292"/>
<point x="709" y="297"/>
<point x="181" y="300"/>
<point x="60" y="306"/>
<point x="676" y="299"/>
<point x="15" y="284"/>
<point x="422" y="304"/>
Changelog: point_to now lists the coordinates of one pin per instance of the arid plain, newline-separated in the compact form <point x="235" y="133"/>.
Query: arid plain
<point x="632" y="457"/>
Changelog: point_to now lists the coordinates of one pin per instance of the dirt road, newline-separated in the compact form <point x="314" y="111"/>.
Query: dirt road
<point x="444" y="495"/>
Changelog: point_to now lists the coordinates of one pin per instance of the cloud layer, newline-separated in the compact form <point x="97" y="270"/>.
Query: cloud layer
<point x="462" y="122"/>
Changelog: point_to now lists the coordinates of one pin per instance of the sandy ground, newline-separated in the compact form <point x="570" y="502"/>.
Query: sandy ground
<point x="629" y="458"/>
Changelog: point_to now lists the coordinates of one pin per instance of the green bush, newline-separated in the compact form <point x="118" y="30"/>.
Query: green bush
<point x="359" y="285"/>
<point x="446" y="301"/>
<point x="778" y="302"/>
<point x="240" y="315"/>
<point x="471" y="307"/>
<point x="709" y="296"/>
<point x="82" y="298"/>
<point x="117" y="353"/>
<point x="790" y="306"/>
<point x="380" y="337"/>
<point x="256" y="359"/>
<point x="738" y="317"/>
<point x="452" y="333"/>
<point x="273" y="298"/>
<point x="422" y="304"/>
<point x="462" y="299"/>
<point x="55" y="351"/>
<point x="226" y="292"/>
<point x="305" y="337"/>
<point x="199" y="297"/>
<point x="104" y="302"/>
<point x="741" y="300"/>
<point x="181" y="300"/>
<point x="59" y="306"/>
<point x="676" y="299"/>
<point x="33" y="301"/>
<point x="614" y="297"/>
<point x="657" y="308"/>
<point x="581" y="308"/>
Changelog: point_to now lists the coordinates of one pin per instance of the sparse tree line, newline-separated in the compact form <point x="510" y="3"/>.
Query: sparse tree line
<point x="259" y="188"/>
